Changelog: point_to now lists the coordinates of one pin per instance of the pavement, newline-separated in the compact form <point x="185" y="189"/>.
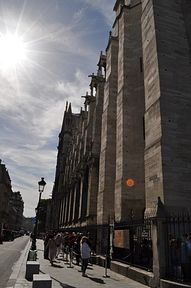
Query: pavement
<point x="68" y="276"/>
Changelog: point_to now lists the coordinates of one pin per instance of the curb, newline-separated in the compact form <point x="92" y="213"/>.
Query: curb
<point x="17" y="266"/>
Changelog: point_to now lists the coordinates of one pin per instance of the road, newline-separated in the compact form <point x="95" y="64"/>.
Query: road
<point x="9" y="254"/>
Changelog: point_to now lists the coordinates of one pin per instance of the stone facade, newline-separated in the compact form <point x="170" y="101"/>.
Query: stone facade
<point x="76" y="182"/>
<point x="167" y="72"/>
<point x="16" y="207"/>
<point x="11" y="204"/>
<point x="135" y="123"/>
<point x="5" y="194"/>
<point x="130" y="113"/>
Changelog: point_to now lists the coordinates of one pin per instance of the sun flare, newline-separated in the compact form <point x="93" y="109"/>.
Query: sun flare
<point x="13" y="52"/>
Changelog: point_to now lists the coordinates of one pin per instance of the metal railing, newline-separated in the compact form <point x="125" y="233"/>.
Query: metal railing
<point x="178" y="247"/>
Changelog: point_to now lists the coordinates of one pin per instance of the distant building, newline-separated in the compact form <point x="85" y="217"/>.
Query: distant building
<point x="11" y="204"/>
<point x="16" y="207"/>
<point x="28" y="224"/>
<point x="5" y="195"/>
<point x="44" y="215"/>
<point x="48" y="224"/>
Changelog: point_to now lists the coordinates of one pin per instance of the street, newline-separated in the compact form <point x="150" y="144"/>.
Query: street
<point x="9" y="254"/>
<point x="13" y="258"/>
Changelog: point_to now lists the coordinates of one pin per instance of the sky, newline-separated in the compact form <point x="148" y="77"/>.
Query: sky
<point x="47" y="50"/>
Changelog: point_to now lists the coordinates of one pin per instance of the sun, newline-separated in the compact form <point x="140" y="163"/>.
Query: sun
<point x="13" y="51"/>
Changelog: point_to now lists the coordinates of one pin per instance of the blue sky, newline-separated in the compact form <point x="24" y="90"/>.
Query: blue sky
<point x="63" y="40"/>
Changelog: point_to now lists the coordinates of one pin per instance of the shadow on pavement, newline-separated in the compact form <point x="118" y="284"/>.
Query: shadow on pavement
<point x="57" y="266"/>
<point x="97" y="280"/>
<point x="62" y="284"/>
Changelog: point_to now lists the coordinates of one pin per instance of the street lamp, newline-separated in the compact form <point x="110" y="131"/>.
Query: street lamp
<point x="41" y="185"/>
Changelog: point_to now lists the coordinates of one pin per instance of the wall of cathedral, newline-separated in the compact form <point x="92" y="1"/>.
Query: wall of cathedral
<point x="134" y="124"/>
<point x="107" y="161"/>
<point x="167" y="71"/>
<point x="130" y="115"/>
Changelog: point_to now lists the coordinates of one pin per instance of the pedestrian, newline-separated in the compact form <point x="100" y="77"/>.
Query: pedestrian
<point x="185" y="261"/>
<point x="77" y="248"/>
<point x="46" y="249"/>
<point x="85" y="254"/>
<point x="51" y="249"/>
<point x="65" y="245"/>
<point x="58" y="240"/>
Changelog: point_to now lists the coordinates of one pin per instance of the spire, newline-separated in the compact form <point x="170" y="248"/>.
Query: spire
<point x="70" y="108"/>
<point x="66" y="106"/>
<point x="101" y="64"/>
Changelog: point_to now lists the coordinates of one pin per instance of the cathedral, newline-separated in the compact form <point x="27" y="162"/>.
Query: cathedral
<point x="131" y="144"/>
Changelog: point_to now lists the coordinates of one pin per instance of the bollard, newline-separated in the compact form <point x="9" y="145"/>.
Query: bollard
<point x="32" y="267"/>
<point x="42" y="281"/>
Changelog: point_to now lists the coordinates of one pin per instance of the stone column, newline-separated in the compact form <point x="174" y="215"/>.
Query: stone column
<point x="159" y="236"/>
<point x="130" y="114"/>
<point x="107" y="162"/>
<point x="74" y="202"/>
<point x="92" y="194"/>
<point x="72" y="205"/>
<point x="77" y="201"/>
<point x="98" y="83"/>
<point x="80" y="198"/>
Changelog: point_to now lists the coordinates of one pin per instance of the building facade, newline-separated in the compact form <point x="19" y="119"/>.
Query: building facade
<point x="5" y="195"/>
<point x="135" y="125"/>
<point x="11" y="204"/>
<point x="16" y="207"/>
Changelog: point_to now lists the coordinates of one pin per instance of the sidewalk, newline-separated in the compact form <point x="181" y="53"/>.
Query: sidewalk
<point x="63" y="276"/>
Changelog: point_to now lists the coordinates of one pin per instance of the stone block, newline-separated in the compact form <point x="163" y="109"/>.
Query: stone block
<point x="171" y="284"/>
<point x="42" y="281"/>
<point x="32" y="267"/>
<point x="120" y="268"/>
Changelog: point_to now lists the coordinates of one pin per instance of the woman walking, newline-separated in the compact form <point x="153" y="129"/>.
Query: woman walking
<point x="85" y="254"/>
<point x="51" y="249"/>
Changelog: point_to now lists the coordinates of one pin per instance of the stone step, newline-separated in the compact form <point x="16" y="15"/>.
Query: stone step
<point x="32" y="267"/>
<point x="42" y="281"/>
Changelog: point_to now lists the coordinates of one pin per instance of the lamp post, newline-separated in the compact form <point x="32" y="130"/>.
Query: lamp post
<point x="41" y="185"/>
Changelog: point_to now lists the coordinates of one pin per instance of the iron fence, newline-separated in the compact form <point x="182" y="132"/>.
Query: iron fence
<point x="132" y="244"/>
<point x="177" y="231"/>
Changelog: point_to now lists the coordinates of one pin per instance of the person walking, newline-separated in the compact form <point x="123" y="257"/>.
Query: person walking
<point x="58" y="239"/>
<point x="77" y="248"/>
<point x="85" y="254"/>
<point x="51" y="249"/>
<point x="185" y="258"/>
<point x="46" y="249"/>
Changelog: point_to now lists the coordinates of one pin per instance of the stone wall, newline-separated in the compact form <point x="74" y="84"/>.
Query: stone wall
<point x="167" y="70"/>
<point x="130" y="113"/>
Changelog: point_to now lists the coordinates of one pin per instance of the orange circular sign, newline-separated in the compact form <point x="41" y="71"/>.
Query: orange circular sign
<point x="130" y="182"/>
